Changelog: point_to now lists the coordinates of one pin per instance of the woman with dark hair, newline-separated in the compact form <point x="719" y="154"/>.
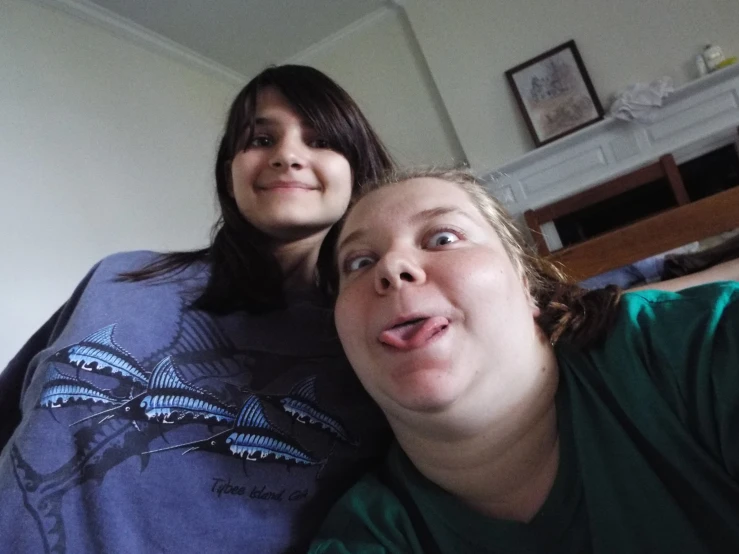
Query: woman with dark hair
<point x="531" y="415"/>
<point x="200" y="401"/>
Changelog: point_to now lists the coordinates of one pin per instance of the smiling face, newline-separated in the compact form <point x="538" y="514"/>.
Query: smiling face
<point x="431" y="311"/>
<point x="288" y="182"/>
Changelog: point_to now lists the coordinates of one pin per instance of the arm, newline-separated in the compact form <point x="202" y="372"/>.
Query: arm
<point x="727" y="271"/>
<point x="691" y="339"/>
<point x="14" y="379"/>
<point x="724" y="377"/>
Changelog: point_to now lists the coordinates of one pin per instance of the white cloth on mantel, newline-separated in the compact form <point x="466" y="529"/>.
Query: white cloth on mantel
<point x="639" y="101"/>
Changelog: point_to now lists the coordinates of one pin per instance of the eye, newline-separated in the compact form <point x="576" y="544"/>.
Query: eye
<point x="320" y="143"/>
<point x="261" y="141"/>
<point x="441" y="238"/>
<point x="357" y="262"/>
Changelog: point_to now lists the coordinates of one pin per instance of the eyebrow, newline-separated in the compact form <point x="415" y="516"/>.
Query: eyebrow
<point x="415" y="218"/>
<point x="438" y="212"/>
<point x="264" y="121"/>
<point x="270" y="122"/>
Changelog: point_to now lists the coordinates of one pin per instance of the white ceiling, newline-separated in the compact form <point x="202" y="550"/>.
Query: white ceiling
<point x="243" y="35"/>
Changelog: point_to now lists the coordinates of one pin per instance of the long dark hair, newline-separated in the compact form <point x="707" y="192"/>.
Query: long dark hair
<point x="244" y="274"/>
<point x="568" y="312"/>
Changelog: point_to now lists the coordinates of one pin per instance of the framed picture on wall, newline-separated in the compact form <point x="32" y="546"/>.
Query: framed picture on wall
<point x="555" y="94"/>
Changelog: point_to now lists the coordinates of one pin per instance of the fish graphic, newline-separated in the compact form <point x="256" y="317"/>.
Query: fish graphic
<point x="99" y="353"/>
<point x="302" y="404"/>
<point x="169" y="399"/>
<point x="60" y="389"/>
<point x="252" y="438"/>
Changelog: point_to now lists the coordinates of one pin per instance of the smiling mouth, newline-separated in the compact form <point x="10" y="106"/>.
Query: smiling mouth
<point x="414" y="333"/>
<point x="285" y="185"/>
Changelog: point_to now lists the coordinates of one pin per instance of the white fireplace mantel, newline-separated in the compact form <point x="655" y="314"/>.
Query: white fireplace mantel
<point x="698" y="117"/>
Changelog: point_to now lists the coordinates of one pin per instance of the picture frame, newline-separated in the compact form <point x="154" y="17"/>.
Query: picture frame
<point x="555" y="94"/>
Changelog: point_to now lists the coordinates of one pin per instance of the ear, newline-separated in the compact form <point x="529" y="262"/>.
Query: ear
<point x="535" y="309"/>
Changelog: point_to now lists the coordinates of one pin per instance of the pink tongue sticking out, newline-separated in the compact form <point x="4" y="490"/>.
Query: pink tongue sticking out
<point x="414" y="334"/>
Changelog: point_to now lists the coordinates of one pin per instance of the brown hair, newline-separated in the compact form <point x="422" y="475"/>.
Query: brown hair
<point x="568" y="312"/>
<point x="244" y="274"/>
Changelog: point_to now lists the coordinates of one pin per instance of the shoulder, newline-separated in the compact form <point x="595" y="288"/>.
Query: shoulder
<point x="674" y="345"/>
<point x="683" y="348"/>
<point x="368" y="498"/>
<point x="112" y="266"/>
<point x="145" y="307"/>
<point x="129" y="260"/>
<point x="665" y="342"/>
<point x="369" y="518"/>
<point x="676" y="319"/>
<point x="121" y="262"/>
<point x="668" y="327"/>
<point x="709" y="297"/>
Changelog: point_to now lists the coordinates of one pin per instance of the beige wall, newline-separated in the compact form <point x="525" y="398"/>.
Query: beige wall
<point x="469" y="44"/>
<point x="436" y="90"/>
<point x="104" y="146"/>
<point x="380" y="64"/>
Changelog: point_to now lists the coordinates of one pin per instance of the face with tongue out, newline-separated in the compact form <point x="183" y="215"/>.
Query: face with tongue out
<point x="431" y="311"/>
<point x="413" y="333"/>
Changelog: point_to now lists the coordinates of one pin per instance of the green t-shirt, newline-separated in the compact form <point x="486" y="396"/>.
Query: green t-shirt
<point x="649" y="446"/>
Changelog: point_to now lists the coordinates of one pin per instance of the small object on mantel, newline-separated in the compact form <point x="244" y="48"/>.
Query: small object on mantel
<point x="639" y="101"/>
<point x="700" y="65"/>
<point x="714" y="57"/>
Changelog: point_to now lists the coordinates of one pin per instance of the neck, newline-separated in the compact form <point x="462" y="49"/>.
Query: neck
<point x="298" y="260"/>
<point x="504" y="468"/>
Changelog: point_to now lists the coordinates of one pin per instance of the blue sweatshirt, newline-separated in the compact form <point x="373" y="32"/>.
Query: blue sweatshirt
<point x="132" y="423"/>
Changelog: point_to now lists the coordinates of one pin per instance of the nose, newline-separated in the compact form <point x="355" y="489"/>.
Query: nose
<point x="289" y="152"/>
<point x="396" y="270"/>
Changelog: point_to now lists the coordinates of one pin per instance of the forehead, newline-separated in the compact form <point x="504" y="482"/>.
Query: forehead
<point x="271" y="103"/>
<point x="399" y="202"/>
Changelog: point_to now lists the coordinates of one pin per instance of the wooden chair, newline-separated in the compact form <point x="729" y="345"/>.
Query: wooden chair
<point x="653" y="235"/>
<point x="664" y="168"/>
<point x="589" y="257"/>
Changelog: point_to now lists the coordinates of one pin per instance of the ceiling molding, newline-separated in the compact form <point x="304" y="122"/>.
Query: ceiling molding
<point x="141" y="36"/>
<point x="353" y="27"/>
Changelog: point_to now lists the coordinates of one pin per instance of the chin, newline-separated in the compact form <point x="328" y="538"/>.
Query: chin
<point x="425" y="405"/>
<point x="430" y="394"/>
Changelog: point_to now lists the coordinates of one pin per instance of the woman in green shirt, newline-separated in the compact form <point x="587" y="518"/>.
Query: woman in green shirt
<point x="530" y="415"/>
